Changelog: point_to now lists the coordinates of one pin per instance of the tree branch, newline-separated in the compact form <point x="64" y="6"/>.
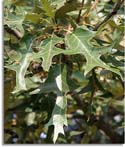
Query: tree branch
<point x="110" y="15"/>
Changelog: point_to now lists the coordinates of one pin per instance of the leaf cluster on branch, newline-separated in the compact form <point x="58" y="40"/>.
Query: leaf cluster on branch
<point x="61" y="49"/>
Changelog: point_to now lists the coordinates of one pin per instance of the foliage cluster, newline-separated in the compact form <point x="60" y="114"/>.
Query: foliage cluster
<point x="63" y="72"/>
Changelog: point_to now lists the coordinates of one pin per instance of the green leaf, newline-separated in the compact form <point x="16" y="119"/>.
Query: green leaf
<point x="6" y="36"/>
<point x="21" y="65"/>
<point x="15" y="21"/>
<point x="56" y="83"/>
<point x="58" y="118"/>
<point x="20" y="69"/>
<point x="33" y="17"/>
<point x="50" y="84"/>
<point x="79" y="42"/>
<point x="48" y="51"/>
<point x="47" y="7"/>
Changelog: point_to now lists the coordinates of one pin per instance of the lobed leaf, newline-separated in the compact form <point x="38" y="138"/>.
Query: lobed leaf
<point x="58" y="118"/>
<point x="48" y="51"/>
<point x="79" y="42"/>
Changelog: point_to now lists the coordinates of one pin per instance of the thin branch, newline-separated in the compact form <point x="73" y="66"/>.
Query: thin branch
<point x="80" y="11"/>
<point x="82" y="104"/>
<point x="110" y="15"/>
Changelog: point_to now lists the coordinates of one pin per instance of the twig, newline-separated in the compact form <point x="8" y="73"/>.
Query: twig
<point x="110" y="15"/>
<point x="87" y="14"/>
<point x="80" y="11"/>
<point x="79" y="101"/>
<point x="15" y="32"/>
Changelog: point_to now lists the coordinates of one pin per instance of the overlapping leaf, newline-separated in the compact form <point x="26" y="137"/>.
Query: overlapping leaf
<point x="20" y="66"/>
<point x="79" y="42"/>
<point x="48" y="51"/>
<point x="56" y="82"/>
<point x="50" y="84"/>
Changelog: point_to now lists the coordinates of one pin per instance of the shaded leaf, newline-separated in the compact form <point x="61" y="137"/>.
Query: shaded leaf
<point x="21" y="65"/>
<point x="68" y="7"/>
<point x="48" y="8"/>
<point x="56" y="82"/>
<point x="58" y="118"/>
<point x="33" y="17"/>
<point x="50" y="84"/>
